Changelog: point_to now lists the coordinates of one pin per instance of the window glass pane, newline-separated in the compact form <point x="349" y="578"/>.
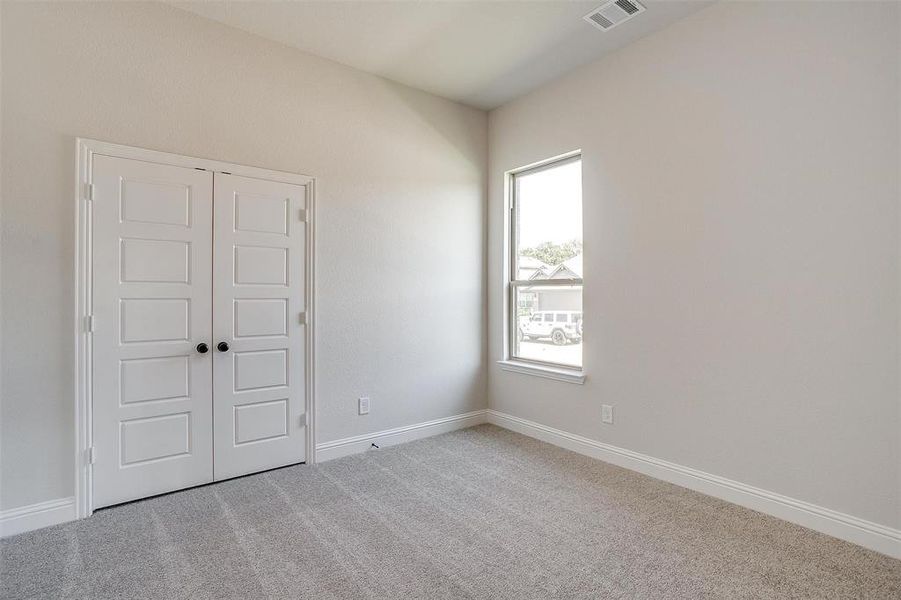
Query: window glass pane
<point x="548" y="222"/>
<point x="549" y="324"/>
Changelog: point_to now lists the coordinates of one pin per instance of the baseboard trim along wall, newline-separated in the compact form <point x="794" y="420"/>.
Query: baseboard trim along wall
<point x="843" y="526"/>
<point x="52" y="512"/>
<point x="36" y="516"/>
<point x="398" y="435"/>
<point x="846" y="527"/>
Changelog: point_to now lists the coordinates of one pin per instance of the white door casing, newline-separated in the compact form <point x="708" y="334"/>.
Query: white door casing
<point x="259" y="311"/>
<point x="152" y="392"/>
<point x="146" y="404"/>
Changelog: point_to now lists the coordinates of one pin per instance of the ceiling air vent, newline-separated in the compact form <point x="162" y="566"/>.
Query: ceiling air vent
<point x="613" y="13"/>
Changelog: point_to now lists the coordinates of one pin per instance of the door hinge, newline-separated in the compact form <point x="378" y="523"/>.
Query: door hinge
<point x="302" y="318"/>
<point x="89" y="323"/>
<point x="303" y="215"/>
<point x="92" y="456"/>
<point x="89" y="192"/>
<point x="512" y="202"/>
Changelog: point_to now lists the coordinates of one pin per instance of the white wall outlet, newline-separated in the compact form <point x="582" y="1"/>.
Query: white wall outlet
<point x="364" y="405"/>
<point x="607" y="413"/>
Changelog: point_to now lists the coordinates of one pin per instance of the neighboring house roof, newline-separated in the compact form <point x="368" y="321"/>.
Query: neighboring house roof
<point x="532" y="268"/>
<point x="568" y="269"/>
<point x="541" y="273"/>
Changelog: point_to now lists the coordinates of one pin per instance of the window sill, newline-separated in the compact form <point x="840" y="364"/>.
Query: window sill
<point x="555" y="373"/>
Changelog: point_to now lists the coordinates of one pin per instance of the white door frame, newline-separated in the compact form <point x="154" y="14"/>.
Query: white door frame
<point x="85" y="150"/>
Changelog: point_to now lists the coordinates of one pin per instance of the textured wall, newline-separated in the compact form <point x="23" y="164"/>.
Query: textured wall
<point x="401" y="211"/>
<point x="741" y="211"/>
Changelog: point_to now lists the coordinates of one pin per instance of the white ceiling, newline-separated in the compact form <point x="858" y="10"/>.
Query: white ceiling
<point x="481" y="53"/>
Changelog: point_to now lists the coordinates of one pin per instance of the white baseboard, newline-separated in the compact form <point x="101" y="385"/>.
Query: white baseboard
<point x="35" y="516"/>
<point x="846" y="527"/>
<point x="52" y="512"/>
<point x="843" y="526"/>
<point x="398" y="435"/>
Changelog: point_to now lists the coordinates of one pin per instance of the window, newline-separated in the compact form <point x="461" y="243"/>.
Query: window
<point x="545" y="301"/>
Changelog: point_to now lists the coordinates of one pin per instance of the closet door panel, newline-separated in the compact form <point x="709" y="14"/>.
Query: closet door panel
<point x="152" y="304"/>
<point x="259" y="290"/>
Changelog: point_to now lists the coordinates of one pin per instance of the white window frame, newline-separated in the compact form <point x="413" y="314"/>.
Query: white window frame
<point x="549" y="370"/>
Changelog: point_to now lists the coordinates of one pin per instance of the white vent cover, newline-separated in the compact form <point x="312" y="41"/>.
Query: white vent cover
<point x="613" y="13"/>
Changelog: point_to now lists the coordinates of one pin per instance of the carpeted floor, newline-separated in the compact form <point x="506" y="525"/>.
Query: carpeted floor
<point x="478" y="513"/>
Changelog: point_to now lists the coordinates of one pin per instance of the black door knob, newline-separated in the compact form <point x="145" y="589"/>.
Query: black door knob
<point x="222" y="346"/>
<point x="203" y="348"/>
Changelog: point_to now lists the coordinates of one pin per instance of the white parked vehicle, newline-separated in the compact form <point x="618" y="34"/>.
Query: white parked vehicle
<point x="561" y="326"/>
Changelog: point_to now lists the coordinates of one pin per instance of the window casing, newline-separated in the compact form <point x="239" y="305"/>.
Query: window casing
<point x="544" y="302"/>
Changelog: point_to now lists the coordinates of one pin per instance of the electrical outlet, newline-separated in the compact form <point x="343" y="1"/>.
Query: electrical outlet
<point x="607" y="413"/>
<point x="364" y="405"/>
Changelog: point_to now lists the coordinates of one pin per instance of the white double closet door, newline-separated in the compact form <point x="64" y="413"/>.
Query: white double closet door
<point x="198" y="290"/>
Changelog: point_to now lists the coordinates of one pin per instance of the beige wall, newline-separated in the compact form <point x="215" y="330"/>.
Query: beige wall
<point x="741" y="210"/>
<point x="401" y="210"/>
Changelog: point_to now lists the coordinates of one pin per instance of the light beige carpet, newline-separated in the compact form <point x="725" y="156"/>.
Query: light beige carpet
<point x="478" y="513"/>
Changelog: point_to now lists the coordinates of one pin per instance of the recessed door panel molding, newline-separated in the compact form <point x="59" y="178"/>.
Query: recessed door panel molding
<point x="195" y="322"/>
<point x="154" y="379"/>
<point x="155" y="438"/>
<point x="155" y="319"/>
<point x="148" y="261"/>
<point x="161" y="202"/>
<point x="260" y="265"/>
<point x="260" y="369"/>
<point x="260" y="317"/>
<point x="261" y="421"/>
<point x="261" y="214"/>
<point x="151" y="296"/>
<point x="259" y="291"/>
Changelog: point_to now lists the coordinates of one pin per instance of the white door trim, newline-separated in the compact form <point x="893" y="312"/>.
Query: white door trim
<point x="85" y="151"/>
